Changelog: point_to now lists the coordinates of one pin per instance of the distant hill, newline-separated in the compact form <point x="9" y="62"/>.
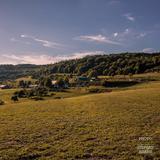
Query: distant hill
<point x="112" y="64"/>
<point x="11" y="72"/>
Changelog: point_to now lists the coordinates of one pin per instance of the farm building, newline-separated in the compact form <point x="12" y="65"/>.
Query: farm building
<point x="3" y="86"/>
<point x="95" y="81"/>
<point x="56" y="85"/>
<point x="33" y="86"/>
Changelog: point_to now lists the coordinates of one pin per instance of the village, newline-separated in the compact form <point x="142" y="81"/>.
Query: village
<point x="76" y="81"/>
<point x="57" y="87"/>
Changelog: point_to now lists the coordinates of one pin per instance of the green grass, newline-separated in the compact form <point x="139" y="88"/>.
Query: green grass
<point x="144" y="76"/>
<point x="97" y="126"/>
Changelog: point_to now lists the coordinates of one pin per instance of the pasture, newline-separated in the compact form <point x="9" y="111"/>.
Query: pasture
<point x="81" y="126"/>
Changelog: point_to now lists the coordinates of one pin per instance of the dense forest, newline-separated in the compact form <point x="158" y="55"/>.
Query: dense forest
<point x="112" y="64"/>
<point x="11" y="72"/>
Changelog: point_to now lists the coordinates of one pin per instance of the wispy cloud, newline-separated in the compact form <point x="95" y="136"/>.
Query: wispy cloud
<point x="129" y="34"/>
<point x="123" y="36"/>
<point x="113" y="2"/>
<point x="141" y="35"/>
<point x="129" y="17"/>
<point x="148" y="50"/>
<point x="42" y="58"/>
<point x="97" y="38"/>
<point x="19" y="41"/>
<point x="44" y="43"/>
<point x="13" y="40"/>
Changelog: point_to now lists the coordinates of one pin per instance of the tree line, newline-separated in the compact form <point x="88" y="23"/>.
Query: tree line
<point x="109" y="65"/>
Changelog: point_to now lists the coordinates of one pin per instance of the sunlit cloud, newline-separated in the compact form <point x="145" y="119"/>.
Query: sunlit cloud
<point x="115" y="34"/>
<point x="148" y="50"/>
<point x="97" y="38"/>
<point x="43" y="58"/>
<point x="44" y="43"/>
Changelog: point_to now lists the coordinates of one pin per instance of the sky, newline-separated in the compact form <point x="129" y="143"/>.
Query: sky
<point x="47" y="31"/>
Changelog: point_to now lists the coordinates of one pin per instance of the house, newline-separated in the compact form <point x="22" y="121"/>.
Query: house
<point x="95" y="81"/>
<point x="3" y="86"/>
<point x="33" y="86"/>
<point x="56" y="85"/>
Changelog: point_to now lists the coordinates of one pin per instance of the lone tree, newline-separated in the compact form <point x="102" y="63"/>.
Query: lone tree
<point x="60" y="82"/>
<point x="45" y="82"/>
<point x="48" y="82"/>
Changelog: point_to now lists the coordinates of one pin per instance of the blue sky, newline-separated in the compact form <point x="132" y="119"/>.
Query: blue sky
<point x="46" y="31"/>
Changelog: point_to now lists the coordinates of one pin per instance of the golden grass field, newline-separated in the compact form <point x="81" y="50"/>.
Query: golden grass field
<point x="95" y="126"/>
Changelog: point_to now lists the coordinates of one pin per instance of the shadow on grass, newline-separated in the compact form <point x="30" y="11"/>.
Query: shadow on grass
<point x="121" y="84"/>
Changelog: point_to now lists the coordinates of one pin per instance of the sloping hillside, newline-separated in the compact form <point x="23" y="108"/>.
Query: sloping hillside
<point x="113" y="64"/>
<point x="11" y="72"/>
<point x="98" y="126"/>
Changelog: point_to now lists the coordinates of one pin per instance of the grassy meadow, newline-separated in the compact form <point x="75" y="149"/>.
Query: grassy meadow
<point x="81" y="126"/>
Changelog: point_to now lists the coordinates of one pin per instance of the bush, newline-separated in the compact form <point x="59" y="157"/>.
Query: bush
<point x="52" y="94"/>
<point x="94" y="90"/>
<point x="14" y="98"/>
<point x="57" y="97"/>
<point x="38" y="92"/>
<point x="21" y="93"/>
<point x="1" y="102"/>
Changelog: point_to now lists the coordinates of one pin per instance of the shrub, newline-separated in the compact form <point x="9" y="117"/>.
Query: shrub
<point x="39" y="92"/>
<point x="21" y="93"/>
<point x="14" y="98"/>
<point x="58" y="98"/>
<point x="1" y="102"/>
<point x="52" y="94"/>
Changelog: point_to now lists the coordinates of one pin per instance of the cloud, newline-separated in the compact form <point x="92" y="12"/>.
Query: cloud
<point x="124" y="35"/>
<point x="148" y="50"/>
<point x="141" y="35"/>
<point x="129" y="34"/>
<point x="43" y="58"/>
<point x="129" y="17"/>
<point x="44" y="43"/>
<point x="115" y="34"/>
<point x="87" y="53"/>
<point x="113" y="2"/>
<point x="97" y="38"/>
<point x="19" y="41"/>
<point x="13" y="40"/>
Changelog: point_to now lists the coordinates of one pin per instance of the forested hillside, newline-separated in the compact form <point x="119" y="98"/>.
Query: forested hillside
<point x="113" y="64"/>
<point x="126" y="63"/>
<point x="15" y="71"/>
